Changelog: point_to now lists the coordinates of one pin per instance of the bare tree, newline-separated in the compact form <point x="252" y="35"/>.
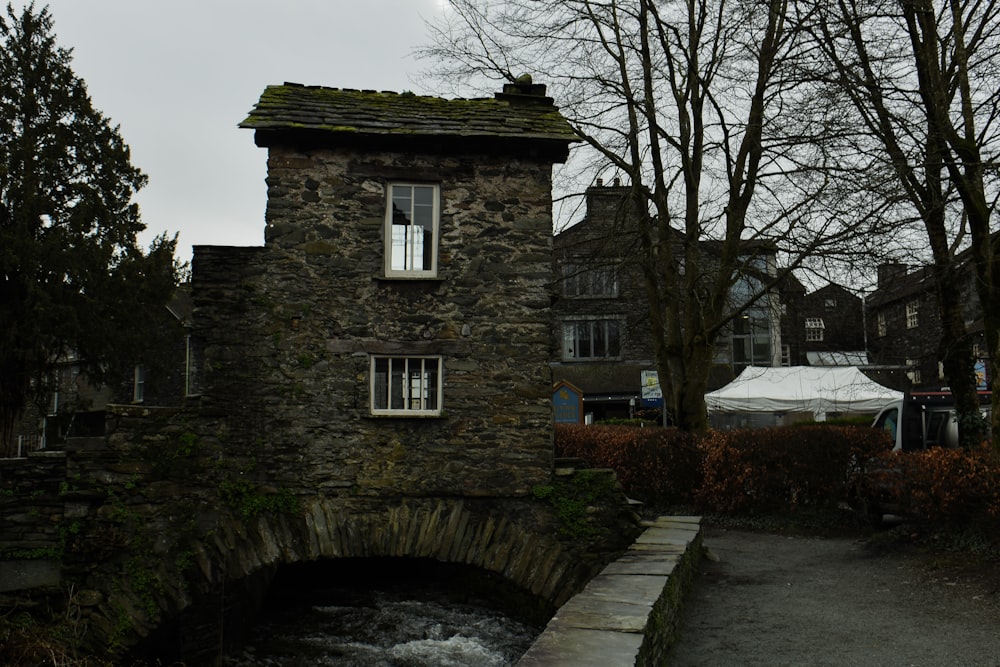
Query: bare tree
<point x="687" y="100"/>
<point x="921" y="75"/>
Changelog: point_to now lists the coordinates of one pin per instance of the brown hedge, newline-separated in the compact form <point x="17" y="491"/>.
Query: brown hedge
<point x="767" y="470"/>
<point x="655" y="465"/>
<point x="727" y="471"/>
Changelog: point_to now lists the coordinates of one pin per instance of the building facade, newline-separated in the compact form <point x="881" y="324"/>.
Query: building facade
<point x="602" y="339"/>
<point x="396" y="321"/>
<point x="904" y="327"/>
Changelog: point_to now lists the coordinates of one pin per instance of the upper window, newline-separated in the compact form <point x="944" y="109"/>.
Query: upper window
<point x="589" y="281"/>
<point x="139" y="384"/>
<point x="192" y="376"/>
<point x="591" y="339"/>
<point x="814" y="329"/>
<point x="912" y="314"/>
<point x="406" y="386"/>
<point x="880" y="323"/>
<point x="412" y="216"/>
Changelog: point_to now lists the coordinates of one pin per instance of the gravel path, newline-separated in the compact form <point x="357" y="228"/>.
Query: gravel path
<point x="764" y="599"/>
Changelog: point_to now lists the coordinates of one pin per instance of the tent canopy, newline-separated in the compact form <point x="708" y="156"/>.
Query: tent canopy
<point x="801" y="389"/>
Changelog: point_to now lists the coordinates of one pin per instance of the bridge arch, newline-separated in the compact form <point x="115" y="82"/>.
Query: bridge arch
<point x="515" y="539"/>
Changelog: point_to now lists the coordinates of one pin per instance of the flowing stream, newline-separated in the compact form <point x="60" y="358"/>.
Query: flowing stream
<point x="397" y="619"/>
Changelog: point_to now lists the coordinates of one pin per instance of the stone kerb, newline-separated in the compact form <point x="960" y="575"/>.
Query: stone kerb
<point x="627" y="614"/>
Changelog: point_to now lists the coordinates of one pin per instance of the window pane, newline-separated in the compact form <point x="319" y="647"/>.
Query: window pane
<point x="614" y="339"/>
<point x="380" y="387"/>
<point x="396" y="377"/>
<point x="432" y="373"/>
<point x="600" y="339"/>
<point x="569" y="340"/>
<point x="584" y="343"/>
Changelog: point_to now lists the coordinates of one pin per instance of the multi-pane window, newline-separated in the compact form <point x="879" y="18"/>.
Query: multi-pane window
<point x="882" y="328"/>
<point x="412" y="218"/>
<point x="751" y="340"/>
<point x="912" y="314"/>
<point x="589" y="281"/>
<point x="591" y="339"/>
<point x="406" y="385"/>
<point x="814" y="329"/>
<point x="914" y="372"/>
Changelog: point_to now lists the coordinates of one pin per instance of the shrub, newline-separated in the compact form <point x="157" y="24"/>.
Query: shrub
<point x="953" y="486"/>
<point x="780" y="469"/>
<point x="655" y="465"/>
<point x="767" y="470"/>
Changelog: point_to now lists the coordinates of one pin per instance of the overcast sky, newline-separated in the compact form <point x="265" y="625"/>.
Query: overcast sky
<point x="178" y="76"/>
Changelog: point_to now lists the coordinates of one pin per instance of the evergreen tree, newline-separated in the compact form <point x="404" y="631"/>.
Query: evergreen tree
<point x="73" y="278"/>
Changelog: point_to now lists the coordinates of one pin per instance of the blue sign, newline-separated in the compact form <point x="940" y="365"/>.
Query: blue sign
<point x="567" y="404"/>
<point x="981" y="383"/>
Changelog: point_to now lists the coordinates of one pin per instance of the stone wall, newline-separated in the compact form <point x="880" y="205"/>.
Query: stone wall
<point x="32" y="526"/>
<point x="629" y="614"/>
<point x="288" y="329"/>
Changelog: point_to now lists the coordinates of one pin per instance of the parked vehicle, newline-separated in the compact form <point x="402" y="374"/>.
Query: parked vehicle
<point x="924" y="419"/>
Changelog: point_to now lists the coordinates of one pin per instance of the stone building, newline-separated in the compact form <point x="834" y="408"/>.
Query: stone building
<point x="904" y="326"/>
<point x="825" y="328"/>
<point x="602" y="339"/>
<point x="392" y="335"/>
<point x="73" y="405"/>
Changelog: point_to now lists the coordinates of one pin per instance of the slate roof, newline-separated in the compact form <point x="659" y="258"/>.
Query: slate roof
<point x="338" y="111"/>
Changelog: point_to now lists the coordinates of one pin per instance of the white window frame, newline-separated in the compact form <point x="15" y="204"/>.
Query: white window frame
<point x="406" y="248"/>
<point x="570" y="351"/>
<point x="880" y="324"/>
<point x="139" y="384"/>
<point x="912" y="314"/>
<point x="814" y="329"/>
<point x="423" y="399"/>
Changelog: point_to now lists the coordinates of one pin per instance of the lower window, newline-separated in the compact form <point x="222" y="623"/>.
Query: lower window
<point x="591" y="339"/>
<point x="406" y="385"/>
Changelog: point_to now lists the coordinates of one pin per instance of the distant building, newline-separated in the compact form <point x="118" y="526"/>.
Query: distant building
<point x="904" y="326"/>
<point x="831" y="321"/>
<point x="602" y="337"/>
<point x="167" y="374"/>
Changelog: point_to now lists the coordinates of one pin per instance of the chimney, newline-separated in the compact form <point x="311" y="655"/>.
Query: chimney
<point x="523" y="91"/>
<point x="889" y="272"/>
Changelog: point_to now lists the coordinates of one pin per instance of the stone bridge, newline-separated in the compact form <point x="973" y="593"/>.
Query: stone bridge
<point x="148" y="539"/>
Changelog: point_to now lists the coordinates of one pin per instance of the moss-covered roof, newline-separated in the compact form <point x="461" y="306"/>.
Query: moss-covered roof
<point x="510" y="115"/>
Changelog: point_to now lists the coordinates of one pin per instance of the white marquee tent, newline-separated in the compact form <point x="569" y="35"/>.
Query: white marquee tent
<point x="812" y="389"/>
